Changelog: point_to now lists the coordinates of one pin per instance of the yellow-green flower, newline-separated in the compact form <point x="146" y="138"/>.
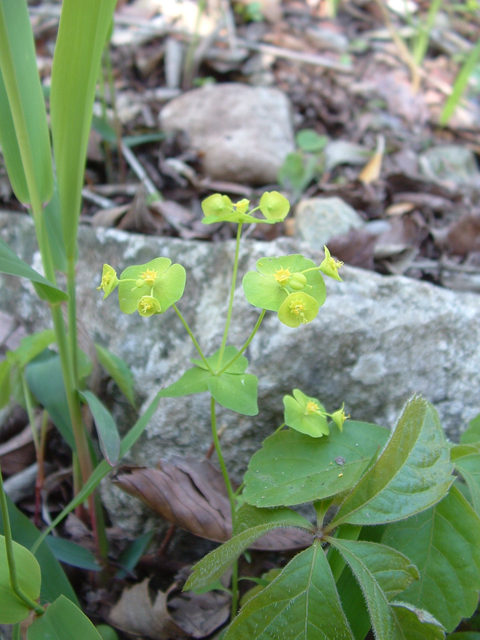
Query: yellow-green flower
<point x="305" y="415"/>
<point x="109" y="280"/>
<point x="298" y="308"/>
<point x="330" y="266"/>
<point x="339" y="417"/>
<point x="147" y="306"/>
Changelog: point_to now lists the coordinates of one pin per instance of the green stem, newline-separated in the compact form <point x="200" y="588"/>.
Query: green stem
<point x="193" y="339"/>
<point x="279" y="428"/>
<point x="245" y="346"/>
<point x="232" y="293"/>
<point x="14" y="585"/>
<point x="231" y="497"/>
<point x="16" y="632"/>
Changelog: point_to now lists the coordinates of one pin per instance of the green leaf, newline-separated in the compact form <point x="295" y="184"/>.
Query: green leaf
<point x="382" y="574"/>
<point x="472" y="434"/>
<point x="54" y="580"/>
<point x="415" y="624"/>
<point x="259" y="521"/>
<point x="239" y="366"/>
<point x="235" y="392"/>
<point x="119" y="372"/>
<point x="302" y="599"/>
<point x="460" y="84"/>
<point x="309" y="140"/>
<point x="412" y="473"/>
<point x="73" y="554"/>
<point x="53" y="223"/>
<point x="353" y="604"/>
<point x="10" y="263"/>
<point x="469" y="467"/>
<point x="12" y="609"/>
<point x="108" y="436"/>
<point x="293" y="174"/>
<point x="274" y="206"/>
<point x="460" y="450"/>
<point x="30" y="347"/>
<point x="192" y="381"/>
<point x="45" y="381"/>
<point x="104" y="468"/>
<point x="62" y="621"/>
<point x="444" y="544"/>
<point x="464" y="635"/>
<point x="106" y="632"/>
<point x="269" y="286"/>
<point x="292" y="468"/>
<point x="26" y="144"/>
<point x="4" y="383"/>
<point x="131" y="555"/>
<point x="81" y="37"/>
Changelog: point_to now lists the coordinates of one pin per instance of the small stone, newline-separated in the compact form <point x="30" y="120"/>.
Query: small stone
<point x="317" y="220"/>
<point x="241" y="133"/>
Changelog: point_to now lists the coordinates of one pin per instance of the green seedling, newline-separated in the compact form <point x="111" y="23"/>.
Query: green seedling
<point x="306" y="164"/>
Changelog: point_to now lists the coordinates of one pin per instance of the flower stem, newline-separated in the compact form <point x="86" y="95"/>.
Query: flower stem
<point x="231" y="497"/>
<point x="245" y="346"/>
<point x="232" y="294"/>
<point x="193" y="339"/>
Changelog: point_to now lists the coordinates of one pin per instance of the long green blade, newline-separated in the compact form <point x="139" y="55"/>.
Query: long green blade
<point x="82" y="33"/>
<point x="23" y="124"/>
<point x="10" y="263"/>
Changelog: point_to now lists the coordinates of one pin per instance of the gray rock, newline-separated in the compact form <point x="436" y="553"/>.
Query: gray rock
<point x="451" y="164"/>
<point x="242" y="133"/>
<point x="319" y="219"/>
<point x="376" y="341"/>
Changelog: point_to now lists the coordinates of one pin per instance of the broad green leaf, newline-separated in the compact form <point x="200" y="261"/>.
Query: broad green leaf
<point x="460" y="450"/>
<point x="45" y="381"/>
<point x="82" y="34"/>
<point x="26" y="144"/>
<point x="119" y="371"/>
<point x="464" y="635"/>
<point x="192" y="381"/>
<point x="62" y="621"/>
<point x="302" y="603"/>
<point x="235" y="392"/>
<point x="4" y="383"/>
<point x="106" y="428"/>
<point x="472" y="434"/>
<point x="73" y="554"/>
<point x="30" y="347"/>
<point x="309" y="140"/>
<point x="353" y="603"/>
<point x="131" y="555"/>
<point x="274" y="280"/>
<point x="412" y="473"/>
<point x="415" y="624"/>
<point x="54" y="580"/>
<point x="444" y="544"/>
<point x="103" y="468"/>
<point x="292" y="468"/>
<point x="239" y="366"/>
<point x="214" y="565"/>
<point x="11" y="264"/>
<point x="106" y="632"/>
<point x="469" y="467"/>
<point x="382" y="574"/>
<point x="12" y="609"/>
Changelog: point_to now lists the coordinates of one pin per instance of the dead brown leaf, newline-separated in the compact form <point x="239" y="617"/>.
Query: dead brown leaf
<point x="199" y="615"/>
<point x="135" y="613"/>
<point x="354" y="248"/>
<point x="17" y="453"/>
<point x="191" y="494"/>
<point x="463" y="236"/>
<point x="141" y="218"/>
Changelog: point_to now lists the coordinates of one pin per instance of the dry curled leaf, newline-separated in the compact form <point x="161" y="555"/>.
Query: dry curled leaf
<point x="464" y="235"/>
<point x="191" y="494"/>
<point x="137" y="614"/>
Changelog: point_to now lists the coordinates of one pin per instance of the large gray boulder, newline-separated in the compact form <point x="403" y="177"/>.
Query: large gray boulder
<point x="376" y="341"/>
<point x="242" y="133"/>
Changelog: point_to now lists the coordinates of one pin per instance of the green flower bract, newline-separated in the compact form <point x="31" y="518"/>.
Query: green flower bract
<point x="305" y="415"/>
